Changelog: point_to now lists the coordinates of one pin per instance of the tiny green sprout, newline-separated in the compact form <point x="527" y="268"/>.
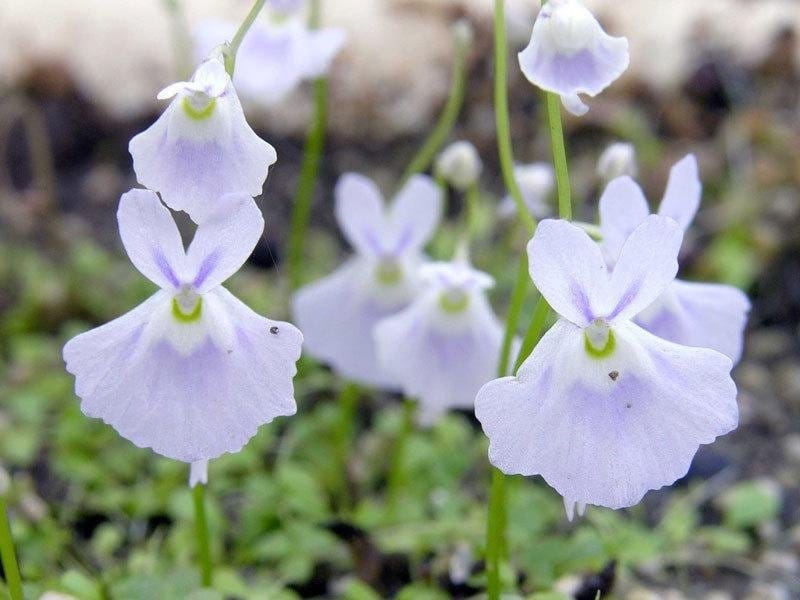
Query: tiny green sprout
<point x="199" y="114"/>
<point x="190" y="317"/>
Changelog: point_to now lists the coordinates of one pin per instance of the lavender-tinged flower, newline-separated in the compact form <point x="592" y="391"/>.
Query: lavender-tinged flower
<point x="694" y="314"/>
<point x="617" y="160"/>
<point x="459" y="165"/>
<point x="192" y="372"/>
<point x="603" y="409"/>
<point x="201" y="147"/>
<point x="285" y="7"/>
<point x="446" y="344"/>
<point x="536" y="182"/>
<point x="275" y="55"/>
<point x="338" y="313"/>
<point x="570" y="54"/>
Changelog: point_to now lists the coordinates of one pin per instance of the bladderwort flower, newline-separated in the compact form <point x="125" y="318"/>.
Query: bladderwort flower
<point x="617" y="159"/>
<point x="191" y="372"/>
<point x="570" y="54"/>
<point x="693" y="314"/>
<point x="201" y="148"/>
<point x="603" y="409"/>
<point x="276" y="55"/>
<point x="459" y="165"/>
<point x="446" y="344"/>
<point x="536" y="182"/>
<point x="338" y="313"/>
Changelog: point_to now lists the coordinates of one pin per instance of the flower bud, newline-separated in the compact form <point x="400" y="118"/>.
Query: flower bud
<point x="617" y="160"/>
<point x="463" y="34"/>
<point x="459" y="165"/>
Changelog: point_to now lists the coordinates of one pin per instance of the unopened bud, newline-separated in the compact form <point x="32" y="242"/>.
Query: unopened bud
<point x="460" y="165"/>
<point x="617" y="160"/>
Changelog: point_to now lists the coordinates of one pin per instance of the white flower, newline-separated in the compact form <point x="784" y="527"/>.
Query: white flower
<point x="337" y="314"/>
<point x="191" y="372"/>
<point x="275" y="57"/>
<point x="570" y="54"/>
<point x="536" y="182"/>
<point x="446" y="344"/>
<point x="460" y="165"/>
<point x="201" y="148"/>
<point x="694" y="314"/>
<point x="603" y="409"/>
<point x="617" y="160"/>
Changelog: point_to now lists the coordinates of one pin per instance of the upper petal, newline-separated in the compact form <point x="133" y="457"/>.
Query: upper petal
<point x="647" y="264"/>
<point x="320" y="48"/>
<point x="568" y="269"/>
<point x="705" y="315"/>
<point x="151" y="238"/>
<point x="684" y="191"/>
<point x="415" y="214"/>
<point x="360" y="213"/>
<point x="602" y="440"/>
<point x="222" y="244"/>
<point x="623" y="207"/>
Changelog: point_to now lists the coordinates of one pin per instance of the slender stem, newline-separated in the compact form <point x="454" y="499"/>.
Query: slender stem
<point x="182" y="43"/>
<point x="309" y="169"/>
<point x="514" y="312"/>
<point x="9" y="555"/>
<point x="201" y="529"/>
<point x="447" y="120"/>
<point x="397" y="471"/>
<point x="495" y="533"/>
<point x="534" y="332"/>
<point x="502" y="119"/>
<point x="348" y="403"/>
<point x="233" y="47"/>
<point x="472" y="210"/>
<point x="559" y="155"/>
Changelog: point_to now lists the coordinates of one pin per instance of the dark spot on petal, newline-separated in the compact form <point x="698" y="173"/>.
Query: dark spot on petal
<point x="628" y="405"/>
<point x="614" y="375"/>
<point x="273" y="330"/>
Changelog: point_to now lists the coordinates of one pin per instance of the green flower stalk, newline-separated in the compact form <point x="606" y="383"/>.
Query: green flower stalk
<point x="8" y="555"/>
<point x="309" y="169"/>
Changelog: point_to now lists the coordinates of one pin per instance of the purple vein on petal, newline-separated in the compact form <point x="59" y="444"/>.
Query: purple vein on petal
<point x="166" y="269"/>
<point x="206" y="268"/>
<point x="626" y="298"/>
<point x="581" y="300"/>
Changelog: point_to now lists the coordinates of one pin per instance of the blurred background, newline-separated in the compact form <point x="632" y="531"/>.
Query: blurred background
<point x="96" y="518"/>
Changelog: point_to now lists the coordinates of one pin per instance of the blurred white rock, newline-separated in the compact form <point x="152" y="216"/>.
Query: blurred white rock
<point x="394" y="72"/>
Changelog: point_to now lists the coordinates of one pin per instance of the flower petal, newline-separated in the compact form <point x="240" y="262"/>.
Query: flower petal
<point x="193" y="161"/>
<point x="415" y="214"/>
<point x="337" y="315"/>
<point x="189" y="407"/>
<point x="360" y="213"/>
<point x="574" y="104"/>
<point x="568" y="269"/>
<point x="647" y="264"/>
<point x="151" y="238"/>
<point x="441" y="361"/>
<point x="588" y="66"/>
<point x="623" y="207"/>
<point x="684" y="191"/>
<point x="704" y="315"/>
<point x="222" y="244"/>
<point x="602" y="440"/>
<point x="320" y="48"/>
